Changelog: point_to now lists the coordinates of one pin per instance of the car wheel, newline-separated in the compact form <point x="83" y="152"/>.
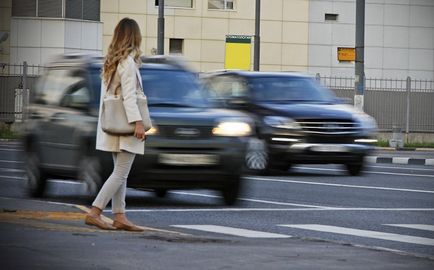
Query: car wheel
<point x="232" y="190"/>
<point x="161" y="192"/>
<point x="91" y="173"/>
<point x="256" y="155"/>
<point x="354" y="169"/>
<point x="36" y="178"/>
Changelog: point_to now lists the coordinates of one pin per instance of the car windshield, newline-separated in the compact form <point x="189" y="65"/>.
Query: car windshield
<point x="288" y="89"/>
<point x="172" y="88"/>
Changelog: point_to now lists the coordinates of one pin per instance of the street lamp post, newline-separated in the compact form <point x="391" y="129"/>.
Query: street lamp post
<point x="257" y="44"/>
<point x="160" y="38"/>
<point x="359" y="83"/>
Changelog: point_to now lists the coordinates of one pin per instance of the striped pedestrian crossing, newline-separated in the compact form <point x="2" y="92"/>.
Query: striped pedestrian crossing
<point x="364" y="233"/>
<point x="414" y="226"/>
<point x="232" y="231"/>
<point x="247" y="233"/>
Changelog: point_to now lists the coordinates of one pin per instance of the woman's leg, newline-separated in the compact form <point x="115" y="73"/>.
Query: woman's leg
<point x="115" y="182"/>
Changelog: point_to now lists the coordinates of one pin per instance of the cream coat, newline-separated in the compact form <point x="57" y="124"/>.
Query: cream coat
<point x="126" y="76"/>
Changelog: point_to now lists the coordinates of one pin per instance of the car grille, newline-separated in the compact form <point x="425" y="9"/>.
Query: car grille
<point x="329" y="127"/>
<point x="185" y="132"/>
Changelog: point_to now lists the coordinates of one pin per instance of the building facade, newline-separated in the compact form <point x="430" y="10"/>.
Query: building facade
<point x="296" y="35"/>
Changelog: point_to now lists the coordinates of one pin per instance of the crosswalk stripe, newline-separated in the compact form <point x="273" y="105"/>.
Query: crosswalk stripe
<point x="424" y="227"/>
<point x="232" y="231"/>
<point x="364" y="233"/>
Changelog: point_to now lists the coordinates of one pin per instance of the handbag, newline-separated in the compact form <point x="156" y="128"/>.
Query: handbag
<point x="114" y="119"/>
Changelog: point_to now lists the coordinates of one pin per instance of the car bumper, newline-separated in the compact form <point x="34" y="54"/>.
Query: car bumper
<point x="320" y="153"/>
<point x="198" y="164"/>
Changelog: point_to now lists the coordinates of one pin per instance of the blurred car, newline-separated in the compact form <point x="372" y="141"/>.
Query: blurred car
<point x="297" y="120"/>
<point x="190" y="145"/>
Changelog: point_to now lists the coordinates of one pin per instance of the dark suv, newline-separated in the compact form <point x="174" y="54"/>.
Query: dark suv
<point x="190" y="146"/>
<point x="297" y="120"/>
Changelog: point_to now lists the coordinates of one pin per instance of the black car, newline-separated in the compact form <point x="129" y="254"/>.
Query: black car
<point x="190" y="145"/>
<point x="297" y="121"/>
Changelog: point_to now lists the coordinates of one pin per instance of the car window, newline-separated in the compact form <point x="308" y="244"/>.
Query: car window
<point x="172" y="86"/>
<point x="54" y="86"/>
<point x="281" y="89"/>
<point x="77" y="96"/>
<point x="225" y="87"/>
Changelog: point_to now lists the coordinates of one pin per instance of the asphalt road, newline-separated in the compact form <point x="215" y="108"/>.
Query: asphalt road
<point x="390" y="207"/>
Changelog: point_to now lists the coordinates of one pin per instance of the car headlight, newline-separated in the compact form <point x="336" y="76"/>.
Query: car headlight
<point x="367" y="123"/>
<point x="281" y="122"/>
<point x="232" y="128"/>
<point x="153" y="130"/>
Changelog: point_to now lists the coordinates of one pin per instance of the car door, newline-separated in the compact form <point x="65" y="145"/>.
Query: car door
<point x="55" y="130"/>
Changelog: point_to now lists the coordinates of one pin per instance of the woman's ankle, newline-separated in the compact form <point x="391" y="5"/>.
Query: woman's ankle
<point x="95" y="212"/>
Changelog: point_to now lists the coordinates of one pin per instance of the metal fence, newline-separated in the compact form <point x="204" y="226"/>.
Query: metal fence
<point x="16" y="82"/>
<point x="395" y="104"/>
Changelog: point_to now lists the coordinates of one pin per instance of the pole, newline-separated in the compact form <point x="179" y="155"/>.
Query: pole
<point x="407" y="120"/>
<point x="360" y="55"/>
<point x="160" y="38"/>
<point x="24" y="95"/>
<point x="257" y="44"/>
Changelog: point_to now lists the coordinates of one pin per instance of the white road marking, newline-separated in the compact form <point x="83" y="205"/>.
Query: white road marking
<point x="337" y="185"/>
<point x="11" y="161"/>
<point x="12" y="149"/>
<point x="400" y="168"/>
<point x="424" y="227"/>
<point x="11" y="170"/>
<point x="232" y="231"/>
<point x="275" y="209"/>
<point x="371" y="172"/>
<point x="7" y="177"/>
<point x="429" y="161"/>
<point x="249" y="200"/>
<point x="365" y="233"/>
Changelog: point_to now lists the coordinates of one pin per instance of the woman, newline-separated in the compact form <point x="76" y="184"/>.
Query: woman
<point x="120" y="71"/>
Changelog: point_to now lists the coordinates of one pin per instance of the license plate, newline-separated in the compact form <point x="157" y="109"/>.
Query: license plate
<point x="329" y="148"/>
<point x="188" y="159"/>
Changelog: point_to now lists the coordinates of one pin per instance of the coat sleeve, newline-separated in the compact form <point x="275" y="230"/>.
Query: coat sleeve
<point x="127" y="72"/>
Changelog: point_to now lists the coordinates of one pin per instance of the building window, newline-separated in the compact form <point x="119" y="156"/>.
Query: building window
<point x="176" y="45"/>
<point x="331" y="17"/>
<point x="74" y="9"/>
<point x="50" y="8"/>
<point x="177" y="3"/>
<point x="221" y="4"/>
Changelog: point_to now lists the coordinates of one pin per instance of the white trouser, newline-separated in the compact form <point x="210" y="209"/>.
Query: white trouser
<point x="116" y="185"/>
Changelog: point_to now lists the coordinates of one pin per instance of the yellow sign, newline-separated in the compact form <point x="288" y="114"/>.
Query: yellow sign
<point x="346" y="54"/>
<point x="238" y="51"/>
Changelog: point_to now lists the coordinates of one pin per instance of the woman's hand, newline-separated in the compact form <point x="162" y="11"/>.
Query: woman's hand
<point x="139" y="131"/>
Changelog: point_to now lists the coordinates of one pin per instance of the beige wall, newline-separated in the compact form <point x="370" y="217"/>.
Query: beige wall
<point x="284" y="30"/>
<point x="5" y="26"/>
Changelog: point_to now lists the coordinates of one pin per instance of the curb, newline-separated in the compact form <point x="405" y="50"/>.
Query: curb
<point x="401" y="160"/>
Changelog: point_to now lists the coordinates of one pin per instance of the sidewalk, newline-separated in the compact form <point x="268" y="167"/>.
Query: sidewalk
<point x="36" y="235"/>
<point x="418" y="156"/>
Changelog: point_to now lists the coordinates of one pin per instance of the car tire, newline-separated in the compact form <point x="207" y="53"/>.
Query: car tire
<point x="354" y="169"/>
<point x="91" y="172"/>
<point x="257" y="159"/>
<point x="232" y="190"/>
<point x="36" y="177"/>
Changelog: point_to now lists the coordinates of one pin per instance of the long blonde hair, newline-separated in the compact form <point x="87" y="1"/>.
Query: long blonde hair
<point x="126" y="39"/>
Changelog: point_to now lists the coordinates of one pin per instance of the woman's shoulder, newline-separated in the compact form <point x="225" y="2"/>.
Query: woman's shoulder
<point x="128" y="62"/>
